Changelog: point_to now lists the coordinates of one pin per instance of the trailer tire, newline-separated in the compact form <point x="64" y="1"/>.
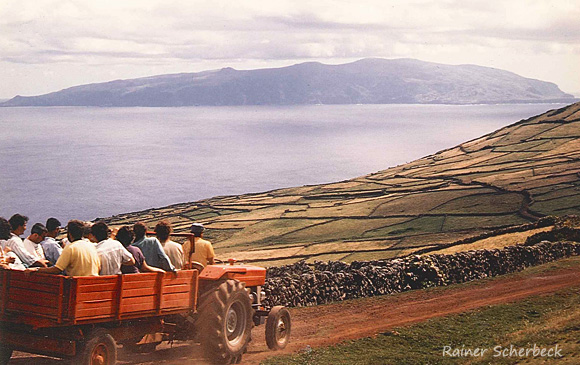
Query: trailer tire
<point x="99" y="348"/>
<point x="5" y="354"/>
<point x="225" y="322"/>
<point x="278" y="328"/>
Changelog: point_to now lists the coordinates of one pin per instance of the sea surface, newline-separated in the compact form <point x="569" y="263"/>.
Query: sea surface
<point x="84" y="163"/>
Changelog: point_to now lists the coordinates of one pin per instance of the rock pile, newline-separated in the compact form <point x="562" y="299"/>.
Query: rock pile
<point x="303" y="285"/>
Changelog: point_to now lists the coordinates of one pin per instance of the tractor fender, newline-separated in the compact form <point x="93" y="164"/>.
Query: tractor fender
<point x="250" y="275"/>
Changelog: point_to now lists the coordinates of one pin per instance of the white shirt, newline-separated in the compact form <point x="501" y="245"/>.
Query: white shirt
<point x="17" y="265"/>
<point x="16" y="245"/>
<point x="112" y="254"/>
<point x="35" y="249"/>
<point x="175" y="253"/>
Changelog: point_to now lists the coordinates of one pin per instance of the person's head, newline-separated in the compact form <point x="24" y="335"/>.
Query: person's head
<point x="163" y="230"/>
<point x="5" y="229"/>
<point x="87" y="232"/>
<point x="139" y="229"/>
<point x="76" y="230"/>
<point x="197" y="229"/>
<point x="37" y="233"/>
<point x="18" y="223"/>
<point x="125" y="235"/>
<point x="53" y="227"/>
<point x="100" y="230"/>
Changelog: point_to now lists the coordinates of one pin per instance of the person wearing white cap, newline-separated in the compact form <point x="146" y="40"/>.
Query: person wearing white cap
<point x="203" y="250"/>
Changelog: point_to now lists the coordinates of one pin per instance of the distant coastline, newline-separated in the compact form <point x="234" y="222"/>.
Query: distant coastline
<point x="367" y="81"/>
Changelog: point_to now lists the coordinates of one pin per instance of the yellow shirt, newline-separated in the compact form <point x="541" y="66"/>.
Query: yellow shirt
<point x="203" y="250"/>
<point x="79" y="258"/>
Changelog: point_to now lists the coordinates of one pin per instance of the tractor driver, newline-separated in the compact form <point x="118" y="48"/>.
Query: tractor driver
<point x="203" y="252"/>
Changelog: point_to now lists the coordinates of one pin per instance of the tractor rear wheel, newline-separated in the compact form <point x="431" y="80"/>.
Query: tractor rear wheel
<point x="225" y="322"/>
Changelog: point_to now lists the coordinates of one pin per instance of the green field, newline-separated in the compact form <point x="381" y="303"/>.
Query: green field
<point x="509" y="177"/>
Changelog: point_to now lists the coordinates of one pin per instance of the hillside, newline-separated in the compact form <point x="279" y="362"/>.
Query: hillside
<point x="512" y="176"/>
<point x="368" y="81"/>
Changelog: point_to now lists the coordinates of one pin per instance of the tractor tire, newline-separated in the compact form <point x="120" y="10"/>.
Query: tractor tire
<point x="5" y="354"/>
<point x="99" y="348"/>
<point x="278" y="328"/>
<point x="224" y="322"/>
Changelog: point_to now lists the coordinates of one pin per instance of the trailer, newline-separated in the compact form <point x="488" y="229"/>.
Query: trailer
<point x="86" y="319"/>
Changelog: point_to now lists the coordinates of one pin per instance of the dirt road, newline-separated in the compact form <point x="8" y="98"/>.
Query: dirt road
<point x="334" y="323"/>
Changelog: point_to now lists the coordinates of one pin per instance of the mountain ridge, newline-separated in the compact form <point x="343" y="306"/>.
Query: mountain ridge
<point x="366" y="81"/>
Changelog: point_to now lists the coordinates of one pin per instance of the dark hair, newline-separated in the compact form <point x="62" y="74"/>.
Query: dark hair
<point x="18" y="220"/>
<point x="163" y="230"/>
<point x="125" y="235"/>
<point x="100" y="230"/>
<point x="5" y="229"/>
<point x="139" y="229"/>
<point x="39" y="229"/>
<point x="52" y="224"/>
<point x="76" y="229"/>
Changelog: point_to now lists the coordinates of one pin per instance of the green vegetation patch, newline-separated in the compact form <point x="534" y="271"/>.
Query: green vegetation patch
<point x="342" y="229"/>
<point x="484" y="141"/>
<point x="565" y="130"/>
<point x="525" y="132"/>
<point x="362" y="209"/>
<point x="558" y="204"/>
<point x="271" y="229"/>
<point x="482" y="204"/>
<point x="419" y="203"/>
<point x="523" y="146"/>
<point x="411" y="227"/>
<point x="458" y="223"/>
<point x="545" y="321"/>
<point x="566" y="192"/>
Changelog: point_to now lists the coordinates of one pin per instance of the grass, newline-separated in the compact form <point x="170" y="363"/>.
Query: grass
<point x="542" y="320"/>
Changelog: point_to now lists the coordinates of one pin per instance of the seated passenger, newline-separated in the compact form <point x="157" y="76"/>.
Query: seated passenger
<point x="111" y="252"/>
<point x="8" y="260"/>
<point x="125" y="236"/>
<point x="172" y="249"/>
<point x="32" y="242"/>
<point x="151" y="248"/>
<point x="51" y="247"/>
<point x="79" y="257"/>
<point x="15" y="244"/>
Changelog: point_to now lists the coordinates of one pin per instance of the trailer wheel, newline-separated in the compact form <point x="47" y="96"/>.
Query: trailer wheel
<point x="5" y="354"/>
<point x="225" y="322"/>
<point x="98" y="349"/>
<point x="278" y="328"/>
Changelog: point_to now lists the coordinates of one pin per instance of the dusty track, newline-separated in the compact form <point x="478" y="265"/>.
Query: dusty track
<point x="334" y="323"/>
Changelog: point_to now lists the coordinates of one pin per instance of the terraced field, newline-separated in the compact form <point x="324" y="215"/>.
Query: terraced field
<point x="509" y="177"/>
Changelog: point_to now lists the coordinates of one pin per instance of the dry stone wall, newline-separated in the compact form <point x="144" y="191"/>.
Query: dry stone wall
<point x="303" y="285"/>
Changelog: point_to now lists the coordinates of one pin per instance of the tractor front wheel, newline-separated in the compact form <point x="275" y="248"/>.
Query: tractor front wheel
<point x="225" y="322"/>
<point x="278" y="328"/>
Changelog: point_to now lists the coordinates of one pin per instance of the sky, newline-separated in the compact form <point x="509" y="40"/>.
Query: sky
<point x="48" y="45"/>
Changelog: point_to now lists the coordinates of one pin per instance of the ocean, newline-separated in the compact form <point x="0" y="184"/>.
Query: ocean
<point x="85" y="162"/>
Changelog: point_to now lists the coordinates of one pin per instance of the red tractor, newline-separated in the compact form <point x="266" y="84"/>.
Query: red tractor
<point x="86" y="318"/>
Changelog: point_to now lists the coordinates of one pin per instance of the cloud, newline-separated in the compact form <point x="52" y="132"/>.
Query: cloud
<point x="170" y="32"/>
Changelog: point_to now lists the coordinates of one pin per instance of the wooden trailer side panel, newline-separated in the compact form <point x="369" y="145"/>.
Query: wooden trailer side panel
<point x="42" y="300"/>
<point x="35" y="299"/>
<point x="119" y="297"/>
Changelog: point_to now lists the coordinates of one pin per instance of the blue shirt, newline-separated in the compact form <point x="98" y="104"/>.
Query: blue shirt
<point x="154" y="254"/>
<point x="52" y="250"/>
